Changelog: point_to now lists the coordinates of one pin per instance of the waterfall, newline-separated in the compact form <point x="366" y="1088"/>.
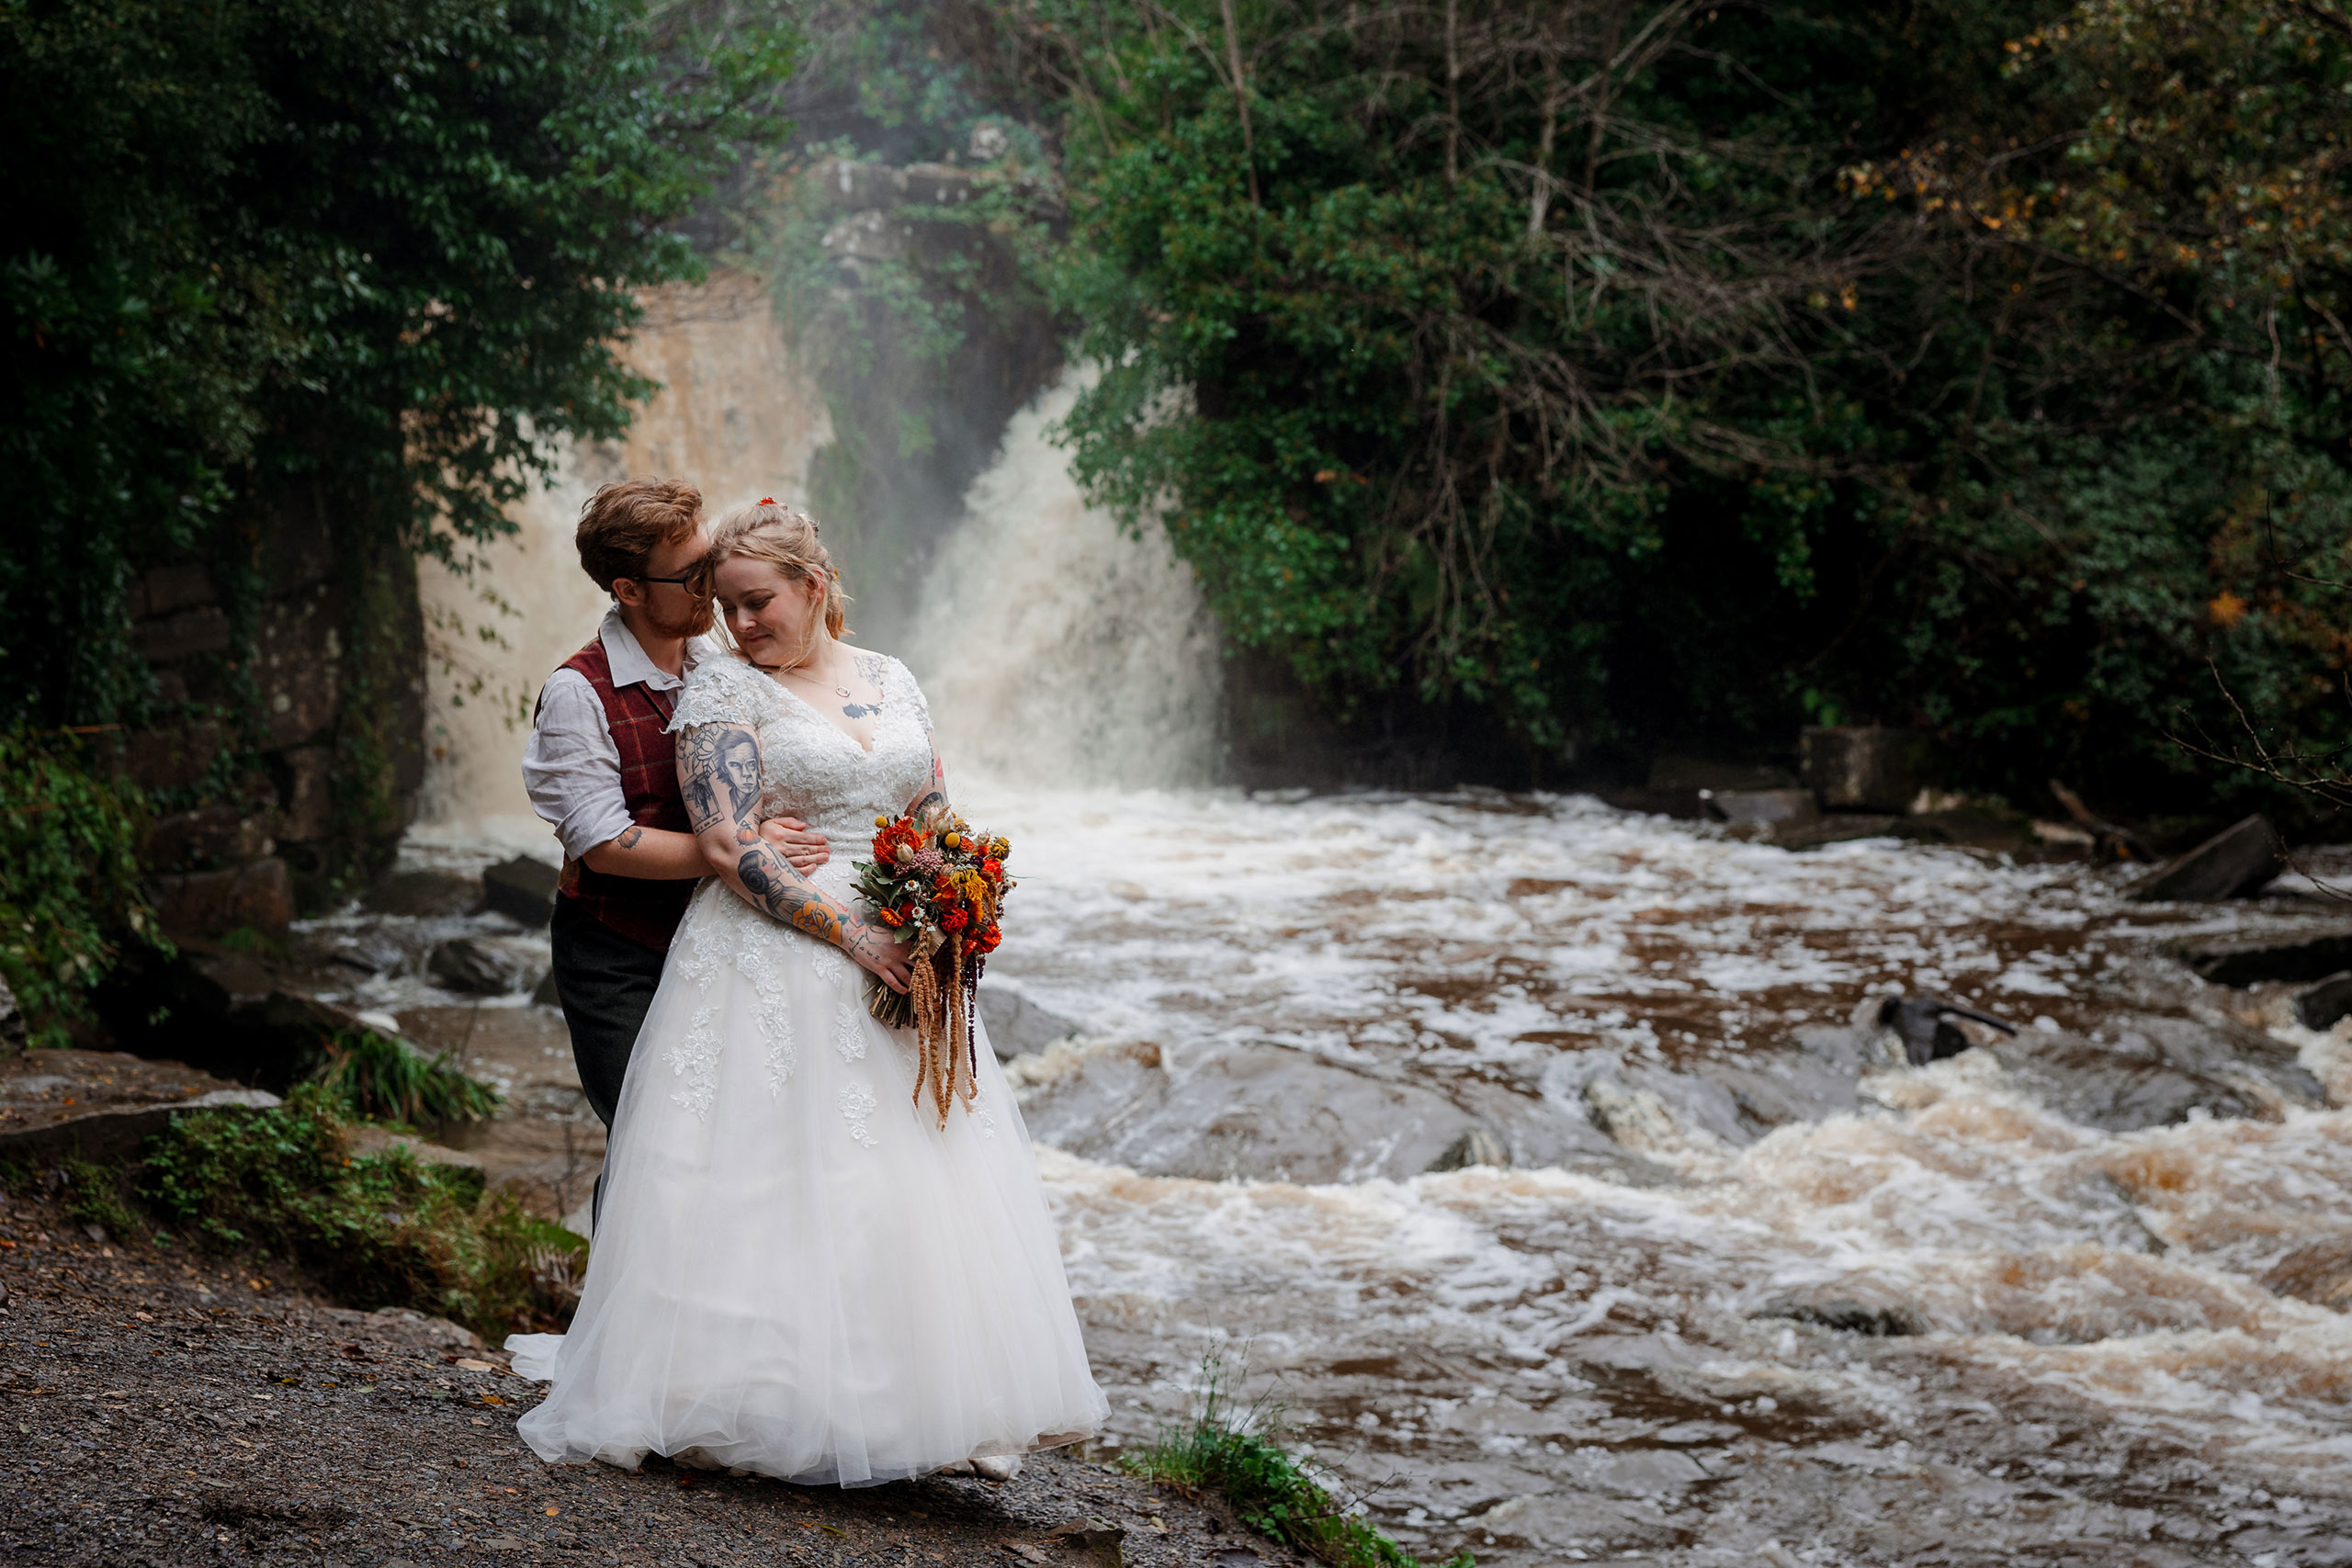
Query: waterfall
<point x="1054" y="648"/>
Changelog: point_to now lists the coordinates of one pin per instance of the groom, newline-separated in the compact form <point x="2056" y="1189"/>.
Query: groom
<point x="601" y="767"/>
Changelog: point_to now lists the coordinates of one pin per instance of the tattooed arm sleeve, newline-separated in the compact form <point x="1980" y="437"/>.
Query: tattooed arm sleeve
<point x="932" y="799"/>
<point x="724" y="810"/>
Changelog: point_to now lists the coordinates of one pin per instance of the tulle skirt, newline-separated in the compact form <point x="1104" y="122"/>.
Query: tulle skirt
<point x="796" y="1271"/>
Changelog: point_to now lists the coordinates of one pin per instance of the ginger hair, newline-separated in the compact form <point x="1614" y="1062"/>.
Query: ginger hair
<point x="625" y="521"/>
<point x="786" y="537"/>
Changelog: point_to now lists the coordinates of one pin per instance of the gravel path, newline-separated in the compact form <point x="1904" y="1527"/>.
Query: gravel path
<point x="168" y="1411"/>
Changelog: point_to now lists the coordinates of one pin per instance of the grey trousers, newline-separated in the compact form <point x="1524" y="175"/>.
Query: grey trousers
<point x="605" y="983"/>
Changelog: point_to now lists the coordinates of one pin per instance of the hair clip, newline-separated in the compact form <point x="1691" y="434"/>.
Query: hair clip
<point x="767" y="500"/>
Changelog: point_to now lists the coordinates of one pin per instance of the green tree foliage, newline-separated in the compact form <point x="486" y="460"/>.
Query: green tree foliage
<point x="69" y="878"/>
<point x="361" y="265"/>
<point x="373" y="257"/>
<point x="1647" y="371"/>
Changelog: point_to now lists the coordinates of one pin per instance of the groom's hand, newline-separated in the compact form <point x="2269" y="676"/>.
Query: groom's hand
<point x="801" y="844"/>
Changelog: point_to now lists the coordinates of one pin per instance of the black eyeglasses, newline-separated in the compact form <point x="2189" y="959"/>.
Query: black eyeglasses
<point x="687" y="582"/>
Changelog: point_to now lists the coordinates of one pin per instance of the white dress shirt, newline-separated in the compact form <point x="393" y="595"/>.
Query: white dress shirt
<point x="571" y="767"/>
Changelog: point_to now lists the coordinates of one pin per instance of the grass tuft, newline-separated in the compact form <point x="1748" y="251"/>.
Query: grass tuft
<point x="378" y="1077"/>
<point x="1276" y="1491"/>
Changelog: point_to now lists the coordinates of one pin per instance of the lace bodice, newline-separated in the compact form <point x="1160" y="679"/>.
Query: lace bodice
<point x="808" y="768"/>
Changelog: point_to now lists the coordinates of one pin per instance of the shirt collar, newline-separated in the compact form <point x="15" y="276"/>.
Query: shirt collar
<point x="628" y="662"/>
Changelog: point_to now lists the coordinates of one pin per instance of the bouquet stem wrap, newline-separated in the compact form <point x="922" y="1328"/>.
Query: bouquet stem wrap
<point x="940" y="889"/>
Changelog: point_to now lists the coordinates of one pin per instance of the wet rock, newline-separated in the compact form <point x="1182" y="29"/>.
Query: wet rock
<point x="1016" y="1024"/>
<point x="475" y="968"/>
<point x="1635" y="1473"/>
<point x="1965" y="826"/>
<point x="1845" y="1314"/>
<point x="1685" y="805"/>
<point x="2236" y="862"/>
<point x="522" y="889"/>
<point x="422" y="894"/>
<point x="1731" y="1099"/>
<point x="2156" y="1071"/>
<point x="1271" y="1113"/>
<point x="1841" y="829"/>
<point x="2307" y="954"/>
<point x="1854" y="768"/>
<point x="1772" y="808"/>
<point x="101" y="1105"/>
<point x="1476" y="1147"/>
<point x="2325" y="1003"/>
<point x="258" y="897"/>
<point x="222" y="1011"/>
<point x="2320" y="1273"/>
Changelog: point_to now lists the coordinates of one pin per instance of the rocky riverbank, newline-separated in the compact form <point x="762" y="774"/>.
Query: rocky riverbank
<point x="171" y="1410"/>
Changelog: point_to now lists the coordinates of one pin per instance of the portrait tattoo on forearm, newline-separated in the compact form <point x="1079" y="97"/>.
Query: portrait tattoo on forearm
<point x="698" y="776"/>
<point x="719" y="771"/>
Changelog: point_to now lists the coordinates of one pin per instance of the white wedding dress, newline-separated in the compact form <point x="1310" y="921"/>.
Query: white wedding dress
<point x="796" y="1273"/>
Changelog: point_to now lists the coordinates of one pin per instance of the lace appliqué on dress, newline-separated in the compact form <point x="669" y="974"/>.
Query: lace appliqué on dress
<point x="857" y="1104"/>
<point x="828" y="962"/>
<point x="849" y="1037"/>
<point x="703" y="947"/>
<point x="714" y="942"/>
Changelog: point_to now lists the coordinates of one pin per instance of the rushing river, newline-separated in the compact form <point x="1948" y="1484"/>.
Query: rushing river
<point x="1730" y="1284"/>
<point x="1568" y="1362"/>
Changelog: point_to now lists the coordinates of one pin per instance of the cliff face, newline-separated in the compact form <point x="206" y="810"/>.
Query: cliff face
<point x="736" y="416"/>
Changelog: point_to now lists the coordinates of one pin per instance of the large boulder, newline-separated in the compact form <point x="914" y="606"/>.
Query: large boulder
<point x="1016" y="1024"/>
<point x="1269" y="1112"/>
<point x="2237" y="860"/>
<point x="2305" y="954"/>
<point x="258" y="896"/>
<point x="101" y="1105"/>
<point x="477" y="968"/>
<point x="424" y="894"/>
<point x="522" y="889"/>
<point x="227" y="1013"/>
<point x="2155" y="1071"/>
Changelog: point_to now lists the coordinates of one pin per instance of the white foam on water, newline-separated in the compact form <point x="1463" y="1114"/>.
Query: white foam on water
<point x="2100" y="1289"/>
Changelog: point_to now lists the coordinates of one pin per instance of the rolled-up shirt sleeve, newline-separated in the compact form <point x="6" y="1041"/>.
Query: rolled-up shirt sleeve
<point x="572" y="769"/>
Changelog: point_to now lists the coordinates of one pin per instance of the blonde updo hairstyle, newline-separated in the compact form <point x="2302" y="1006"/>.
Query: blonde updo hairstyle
<point x="787" y="538"/>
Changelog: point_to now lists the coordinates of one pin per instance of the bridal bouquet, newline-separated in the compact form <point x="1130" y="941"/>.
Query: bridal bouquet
<point x="937" y="885"/>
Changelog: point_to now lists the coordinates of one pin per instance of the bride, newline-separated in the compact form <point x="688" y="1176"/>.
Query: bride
<point x="798" y="1272"/>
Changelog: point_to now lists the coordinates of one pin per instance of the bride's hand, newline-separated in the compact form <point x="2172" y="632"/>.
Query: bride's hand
<point x="802" y="845"/>
<point x="879" y="955"/>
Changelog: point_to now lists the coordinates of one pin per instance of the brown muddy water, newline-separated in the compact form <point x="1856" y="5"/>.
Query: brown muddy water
<point x="1748" y="1290"/>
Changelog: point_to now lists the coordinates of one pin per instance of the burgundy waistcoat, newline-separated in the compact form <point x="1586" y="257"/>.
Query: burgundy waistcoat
<point x="647" y="912"/>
